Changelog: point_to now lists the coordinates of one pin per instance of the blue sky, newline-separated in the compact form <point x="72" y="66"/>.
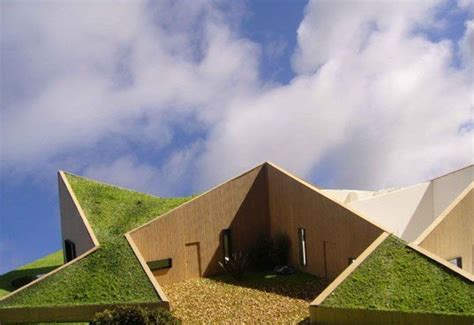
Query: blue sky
<point x="172" y="97"/>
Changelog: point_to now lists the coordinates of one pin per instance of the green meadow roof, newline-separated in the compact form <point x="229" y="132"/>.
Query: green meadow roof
<point x="395" y="277"/>
<point x="39" y="267"/>
<point x="111" y="274"/>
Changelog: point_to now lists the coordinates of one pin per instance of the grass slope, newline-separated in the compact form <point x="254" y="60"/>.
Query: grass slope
<point x="395" y="277"/>
<point x="40" y="266"/>
<point x="112" y="274"/>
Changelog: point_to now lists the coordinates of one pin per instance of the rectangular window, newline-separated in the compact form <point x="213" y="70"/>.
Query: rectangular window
<point x="456" y="261"/>
<point x="226" y="243"/>
<point x="70" y="248"/>
<point x="302" y="241"/>
<point x="160" y="264"/>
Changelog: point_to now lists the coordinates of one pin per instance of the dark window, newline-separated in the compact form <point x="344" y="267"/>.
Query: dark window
<point x="227" y="244"/>
<point x="350" y="260"/>
<point x="160" y="264"/>
<point x="302" y="240"/>
<point x="70" y="250"/>
<point x="456" y="261"/>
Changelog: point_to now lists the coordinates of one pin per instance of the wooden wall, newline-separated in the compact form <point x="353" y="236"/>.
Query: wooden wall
<point x="194" y="229"/>
<point x="78" y="313"/>
<point x="333" y="233"/>
<point x="454" y="235"/>
<point x="72" y="224"/>
<point x="327" y="315"/>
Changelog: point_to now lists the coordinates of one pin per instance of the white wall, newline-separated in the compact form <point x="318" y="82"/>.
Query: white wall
<point x="394" y="210"/>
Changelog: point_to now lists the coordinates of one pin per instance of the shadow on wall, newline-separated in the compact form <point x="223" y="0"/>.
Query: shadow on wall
<point x="250" y="223"/>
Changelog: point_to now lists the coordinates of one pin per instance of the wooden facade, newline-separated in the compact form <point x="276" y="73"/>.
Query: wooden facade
<point x="264" y="202"/>
<point x="452" y="235"/>
<point x="191" y="235"/>
<point x="333" y="232"/>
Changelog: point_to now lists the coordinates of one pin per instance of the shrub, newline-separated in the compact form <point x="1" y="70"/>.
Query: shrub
<point x="236" y="265"/>
<point x="134" y="315"/>
<point x="24" y="280"/>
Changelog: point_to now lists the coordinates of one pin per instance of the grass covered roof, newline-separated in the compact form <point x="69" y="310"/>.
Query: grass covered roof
<point x="395" y="277"/>
<point x="112" y="274"/>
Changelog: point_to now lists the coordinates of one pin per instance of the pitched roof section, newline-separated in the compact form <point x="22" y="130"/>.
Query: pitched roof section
<point x="111" y="274"/>
<point x="395" y="277"/>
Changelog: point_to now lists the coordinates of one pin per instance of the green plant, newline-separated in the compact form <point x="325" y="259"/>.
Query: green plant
<point x="134" y="315"/>
<point x="236" y="265"/>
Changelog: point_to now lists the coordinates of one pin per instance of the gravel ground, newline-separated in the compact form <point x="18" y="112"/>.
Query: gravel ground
<point x="259" y="298"/>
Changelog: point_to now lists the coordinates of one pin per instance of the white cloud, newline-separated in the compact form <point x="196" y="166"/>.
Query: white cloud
<point x="384" y="102"/>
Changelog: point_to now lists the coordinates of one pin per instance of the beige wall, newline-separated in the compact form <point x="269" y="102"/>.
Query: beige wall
<point x="240" y="204"/>
<point x="454" y="235"/>
<point x="326" y="315"/>
<point x="448" y="187"/>
<point x="72" y="225"/>
<point x="79" y="313"/>
<point x="262" y="202"/>
<point x="293" y="205"/>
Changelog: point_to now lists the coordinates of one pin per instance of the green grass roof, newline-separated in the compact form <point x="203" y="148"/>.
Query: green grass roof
<point x="41" y="266"/>
<point x="112" y="274"/>
<point x="395" y="277"/>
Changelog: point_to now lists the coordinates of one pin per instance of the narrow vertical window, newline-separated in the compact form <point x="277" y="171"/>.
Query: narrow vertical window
<point x="70" y="248"/>
<point x="302" y="240"/>
<point x="227" y="244"/>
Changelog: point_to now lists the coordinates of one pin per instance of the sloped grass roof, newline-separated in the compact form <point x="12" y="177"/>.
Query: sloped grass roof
<point x="395" y="277"/>
<point x="41" y="266"/>
<point x="112" y="274"/>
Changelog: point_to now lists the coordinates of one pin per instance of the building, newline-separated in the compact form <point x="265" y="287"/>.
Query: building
<point x="118" y="252"/>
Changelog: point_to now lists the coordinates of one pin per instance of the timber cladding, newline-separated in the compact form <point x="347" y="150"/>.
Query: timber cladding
<point x="264" y="202"/>
<point x="76" y="313"/>
<point x="334" y="234"/>
<point x="453" y="236"/>
<point x="332" y="315"/>
<point x="191" y="235"/>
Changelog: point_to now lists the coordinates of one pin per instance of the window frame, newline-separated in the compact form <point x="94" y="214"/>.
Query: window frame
<point x="302" y="246"/>
<point x="155" y="265"/>
<point x="227" y="244"/>
<point x="70" y="250"/>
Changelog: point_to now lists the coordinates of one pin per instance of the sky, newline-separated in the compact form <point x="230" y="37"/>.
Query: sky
<point x="172" y="97"/>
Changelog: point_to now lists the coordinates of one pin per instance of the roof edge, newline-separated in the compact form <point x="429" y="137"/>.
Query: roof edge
<point x="63" y="178"/>
<point x="195" y="198"/>
<point x="147" y="270"/>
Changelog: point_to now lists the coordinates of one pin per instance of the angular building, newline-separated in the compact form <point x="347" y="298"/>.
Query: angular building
<point x="120" y="246"/>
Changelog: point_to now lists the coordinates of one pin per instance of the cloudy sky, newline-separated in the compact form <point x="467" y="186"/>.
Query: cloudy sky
<point x="171" y="97"/>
